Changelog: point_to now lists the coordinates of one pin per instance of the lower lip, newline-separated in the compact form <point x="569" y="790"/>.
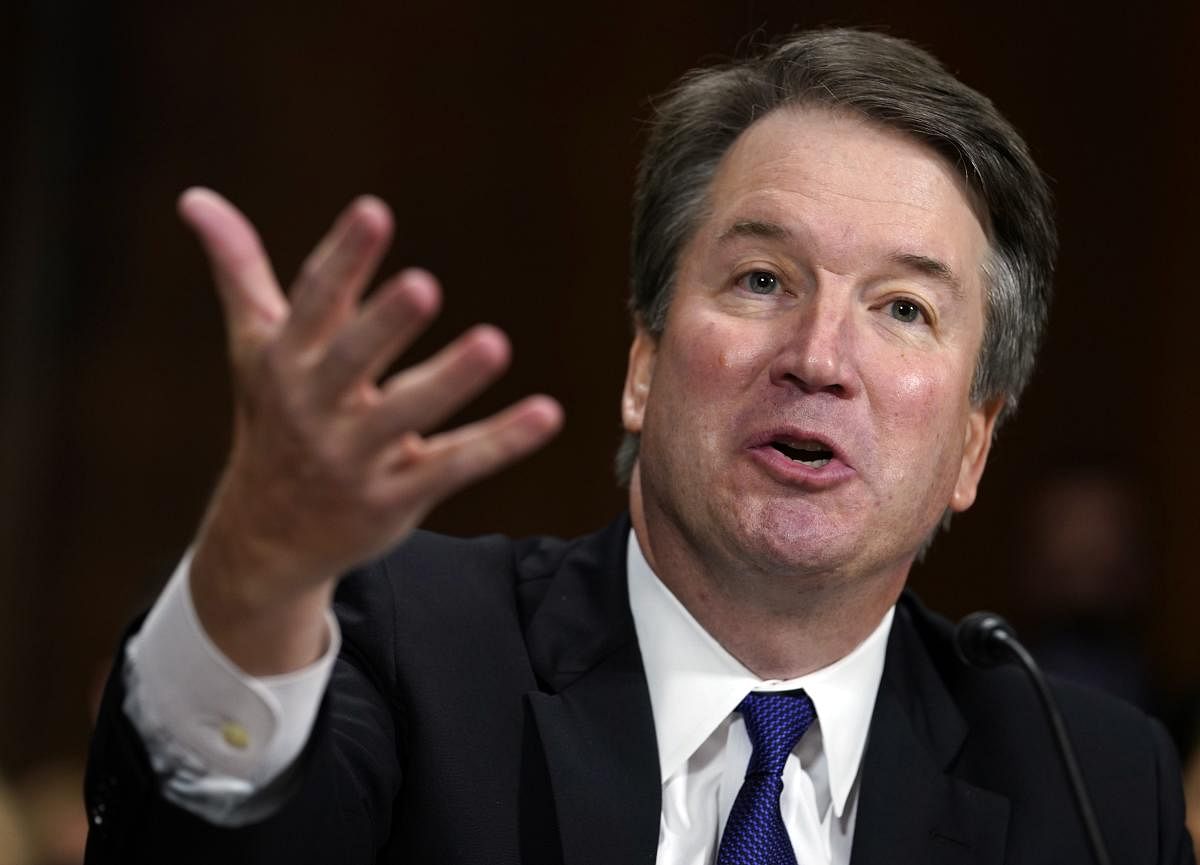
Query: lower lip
<point x="796" y="473"/>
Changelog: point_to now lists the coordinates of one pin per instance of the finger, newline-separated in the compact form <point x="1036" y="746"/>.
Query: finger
<point x="422" y="397"/>
<point x="336" y="272"/>
<point x="432" y="469"/>
<point x="389" y="321"/>
<point x="247" y="286"/>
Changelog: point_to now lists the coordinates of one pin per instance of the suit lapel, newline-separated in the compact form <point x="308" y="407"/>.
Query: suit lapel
<point x="910" y="808"/>
<point x="593" y="716"/>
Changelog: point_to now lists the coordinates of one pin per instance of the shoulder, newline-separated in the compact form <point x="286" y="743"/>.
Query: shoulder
<point x="434" y="586"/>
<point x="1007" y="745"/>
<point x="429" y="563"/>
<point x="1001" y="697"/>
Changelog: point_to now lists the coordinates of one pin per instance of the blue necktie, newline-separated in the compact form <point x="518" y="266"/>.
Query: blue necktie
<point x="754" y="832"/>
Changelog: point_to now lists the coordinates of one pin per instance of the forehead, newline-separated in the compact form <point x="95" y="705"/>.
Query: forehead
<point x="848" y="189"/>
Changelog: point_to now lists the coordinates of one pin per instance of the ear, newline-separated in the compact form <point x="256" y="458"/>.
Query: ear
<point x="637" y="379"/>
<point x="981" y="422"/>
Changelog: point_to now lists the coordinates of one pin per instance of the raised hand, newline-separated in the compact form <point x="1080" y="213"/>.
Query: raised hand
<point x="329" y="466"/>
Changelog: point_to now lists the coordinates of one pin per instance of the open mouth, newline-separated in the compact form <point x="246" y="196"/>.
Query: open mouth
<point x="812" y="454"/>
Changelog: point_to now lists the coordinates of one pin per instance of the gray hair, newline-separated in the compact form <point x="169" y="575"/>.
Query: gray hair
<point x="894" y="83"/>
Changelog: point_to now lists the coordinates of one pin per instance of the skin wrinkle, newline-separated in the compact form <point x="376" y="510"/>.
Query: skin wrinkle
<point x="775" y="236"/>
<point x="924" y="265"/>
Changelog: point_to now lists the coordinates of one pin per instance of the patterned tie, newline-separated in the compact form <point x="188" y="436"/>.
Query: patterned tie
<point x="754" y="833"/>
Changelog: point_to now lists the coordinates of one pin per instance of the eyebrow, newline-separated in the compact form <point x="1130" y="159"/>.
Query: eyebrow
<point x="923" y="265"/>
<point x="932" y="268"/>
<point x="754" y="228"/>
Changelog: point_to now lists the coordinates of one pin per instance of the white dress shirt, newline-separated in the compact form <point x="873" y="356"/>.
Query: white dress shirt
<point x="223" y="741"/>
<point x="703" y="748"/>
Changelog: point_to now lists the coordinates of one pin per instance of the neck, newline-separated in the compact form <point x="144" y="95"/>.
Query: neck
<point x="778" y="625"/>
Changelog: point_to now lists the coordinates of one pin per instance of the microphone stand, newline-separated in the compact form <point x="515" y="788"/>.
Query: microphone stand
<point x="985" y="640"/>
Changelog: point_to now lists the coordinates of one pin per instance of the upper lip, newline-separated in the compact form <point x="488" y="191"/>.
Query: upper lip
<point x="796" y="435"/>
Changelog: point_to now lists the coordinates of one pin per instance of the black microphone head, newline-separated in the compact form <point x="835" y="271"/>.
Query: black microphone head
<point x="983" y="640"/>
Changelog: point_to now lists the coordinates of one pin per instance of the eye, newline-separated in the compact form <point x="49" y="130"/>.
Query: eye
<point x="760" y="282"/>
<point x="906" y="311"/>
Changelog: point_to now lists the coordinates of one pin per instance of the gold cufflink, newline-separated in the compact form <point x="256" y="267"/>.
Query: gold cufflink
<point x="235" y="735"/>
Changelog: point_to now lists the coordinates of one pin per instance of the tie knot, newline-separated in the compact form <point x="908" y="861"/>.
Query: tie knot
<point x="775" y="722"/>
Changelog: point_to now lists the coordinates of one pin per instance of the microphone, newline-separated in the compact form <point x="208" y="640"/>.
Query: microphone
<point x="985" y="640"/>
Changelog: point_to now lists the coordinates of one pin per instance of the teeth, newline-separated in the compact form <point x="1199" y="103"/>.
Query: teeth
<point x="810" y="446"/>
<point x="797" y="451"/>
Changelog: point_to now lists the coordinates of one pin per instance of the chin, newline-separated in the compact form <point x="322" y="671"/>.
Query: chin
<point x="792" y="539"/>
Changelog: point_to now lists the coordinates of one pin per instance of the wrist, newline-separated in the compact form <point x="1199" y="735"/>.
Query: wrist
<point x="267" y="618"/>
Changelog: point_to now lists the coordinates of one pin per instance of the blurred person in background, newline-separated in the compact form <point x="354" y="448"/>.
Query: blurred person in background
<point x="1084" y="575"/>
<point x="15" y="844"/>
<point x="56" y="824"/>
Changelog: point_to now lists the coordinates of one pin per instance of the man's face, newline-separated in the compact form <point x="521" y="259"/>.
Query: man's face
<point x="807" y="407"/>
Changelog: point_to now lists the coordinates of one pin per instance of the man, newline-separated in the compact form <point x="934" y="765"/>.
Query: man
<point x="842" y="262"/>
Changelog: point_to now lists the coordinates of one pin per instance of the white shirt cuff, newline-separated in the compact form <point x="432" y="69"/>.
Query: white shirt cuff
<point x="202" y="718"/>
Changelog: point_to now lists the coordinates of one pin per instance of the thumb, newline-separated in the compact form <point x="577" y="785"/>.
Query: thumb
<point x="250" y="295"/>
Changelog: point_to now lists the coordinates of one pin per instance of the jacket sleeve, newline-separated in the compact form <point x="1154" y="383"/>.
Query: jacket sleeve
<point x="337" y="801"/>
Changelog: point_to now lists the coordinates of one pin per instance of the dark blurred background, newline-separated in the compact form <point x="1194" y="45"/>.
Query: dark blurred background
<point x="505" y="137"/>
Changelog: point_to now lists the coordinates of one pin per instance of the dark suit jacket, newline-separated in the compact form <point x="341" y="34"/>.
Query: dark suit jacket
<point x="490" y="706"/>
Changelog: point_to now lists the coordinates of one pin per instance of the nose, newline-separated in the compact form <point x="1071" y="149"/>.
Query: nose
<point x="816" y="349"/>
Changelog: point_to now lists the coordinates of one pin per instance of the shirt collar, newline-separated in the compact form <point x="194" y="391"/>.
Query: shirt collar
<point x="695" y="684"/>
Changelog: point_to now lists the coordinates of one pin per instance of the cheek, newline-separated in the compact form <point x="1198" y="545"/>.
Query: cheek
<point x="702" y="376"/>
<point x="914" y="390"/>
<point x="742" y="350"/>
<point x="714" y="354"/>
<point x="922" y="405"/>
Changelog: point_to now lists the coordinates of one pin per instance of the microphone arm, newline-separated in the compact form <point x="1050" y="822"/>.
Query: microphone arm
<point x="985" y="640"/>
